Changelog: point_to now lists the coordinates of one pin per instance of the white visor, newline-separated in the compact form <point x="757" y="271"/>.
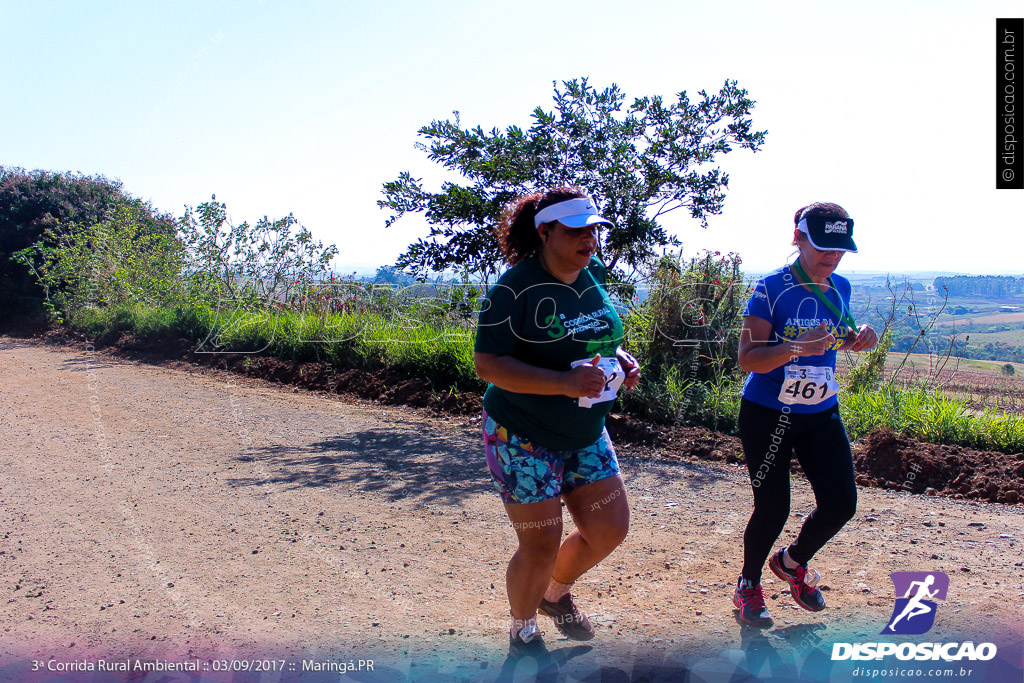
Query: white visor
<point x="572" y="213"/>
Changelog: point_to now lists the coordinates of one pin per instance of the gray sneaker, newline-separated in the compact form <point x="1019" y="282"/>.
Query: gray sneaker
<point x="569" y="620"/>
<point x="528" y="641"/>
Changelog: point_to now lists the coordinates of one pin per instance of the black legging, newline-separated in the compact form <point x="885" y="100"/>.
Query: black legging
<point x="770" y="437"/>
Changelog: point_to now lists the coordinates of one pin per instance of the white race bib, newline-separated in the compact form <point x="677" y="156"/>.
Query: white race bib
<point x="613" y="377"/>
<point x="808" y="385"/>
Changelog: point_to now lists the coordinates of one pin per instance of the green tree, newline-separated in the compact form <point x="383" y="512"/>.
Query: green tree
<point x="640" y="161"/>
<point x="248" y="265"/>
<point x="42" y="207"/>
<point x="110" y="263"/>
<point x="1008" y="369"/>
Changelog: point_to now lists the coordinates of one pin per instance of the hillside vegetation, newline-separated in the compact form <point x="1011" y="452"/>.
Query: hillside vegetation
<point x="265" y="289"/>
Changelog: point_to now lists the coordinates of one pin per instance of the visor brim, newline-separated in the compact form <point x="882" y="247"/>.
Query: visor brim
<point x="584" y="220"/>
<point x="847" y="244"/>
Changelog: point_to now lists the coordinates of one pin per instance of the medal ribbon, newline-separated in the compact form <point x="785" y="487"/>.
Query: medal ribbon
<point x="844" y="316"/>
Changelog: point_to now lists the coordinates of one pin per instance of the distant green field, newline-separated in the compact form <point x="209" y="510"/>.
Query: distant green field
<point x="982" y="318"/>
<point x="921" y="361"/>
<point x="1009" y="337"/>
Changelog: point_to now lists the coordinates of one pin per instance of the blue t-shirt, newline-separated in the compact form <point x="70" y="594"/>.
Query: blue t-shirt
<point x="793" y="309"/>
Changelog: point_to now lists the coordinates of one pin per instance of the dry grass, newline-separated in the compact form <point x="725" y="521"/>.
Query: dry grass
<point x="979" y="383"/>
<point x="986" y="319"/>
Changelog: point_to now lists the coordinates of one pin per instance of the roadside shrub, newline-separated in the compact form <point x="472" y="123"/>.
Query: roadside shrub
<point x="40" y="207"/>
<point x="930" y="415"/>
<point x="112" y="263"/>
<point x="245" y="265"/>
<point x="686" y="336"/>
<point x="869" y="371"/>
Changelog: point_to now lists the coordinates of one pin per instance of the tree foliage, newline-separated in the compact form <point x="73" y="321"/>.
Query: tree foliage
<point x="113" y="262"/>
<point x="981" y="285"/>
<point x="43" y="206"/>
<point x="250" y="265"/>
<point x="640" y="161"/>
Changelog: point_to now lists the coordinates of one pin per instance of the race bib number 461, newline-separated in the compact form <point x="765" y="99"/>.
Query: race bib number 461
<point x="807" y="385"/>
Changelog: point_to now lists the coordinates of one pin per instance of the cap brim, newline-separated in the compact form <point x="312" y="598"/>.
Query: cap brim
<point x="839" y="238"/>
<point x="842" y="244"/>
<point x="583" y="220"/>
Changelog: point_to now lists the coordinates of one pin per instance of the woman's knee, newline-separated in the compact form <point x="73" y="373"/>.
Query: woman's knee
<point x="842" y="508"/>
<point x="768" y="518"/>
<point x="614" y="531"/>
<point x="605" y="533"/>
<point x="541" y="545"/>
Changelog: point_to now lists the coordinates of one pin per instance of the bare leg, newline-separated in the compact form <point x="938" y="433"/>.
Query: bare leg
<point x="539" y="529"/>
<point x="601" y="514"/>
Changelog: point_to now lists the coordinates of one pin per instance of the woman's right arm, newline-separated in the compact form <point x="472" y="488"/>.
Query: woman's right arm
<point x="512" y="374"/>
<point x="758" y="353"/>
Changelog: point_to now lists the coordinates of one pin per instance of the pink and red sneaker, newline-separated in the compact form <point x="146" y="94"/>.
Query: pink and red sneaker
<point x="749" y="600"/>
<point x="802" y="582"/>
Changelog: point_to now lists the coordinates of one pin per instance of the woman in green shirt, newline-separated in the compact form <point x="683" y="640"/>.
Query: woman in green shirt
<point x="548" y="343"/>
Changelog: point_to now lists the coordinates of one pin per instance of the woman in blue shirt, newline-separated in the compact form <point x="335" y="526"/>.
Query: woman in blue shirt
<point x="796" y="320"/>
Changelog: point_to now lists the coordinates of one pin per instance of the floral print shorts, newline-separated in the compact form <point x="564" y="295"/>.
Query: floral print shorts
<point x="524" y="472"/>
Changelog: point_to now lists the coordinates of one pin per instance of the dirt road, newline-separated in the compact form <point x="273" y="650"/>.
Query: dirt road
<point x="183" y="513"/>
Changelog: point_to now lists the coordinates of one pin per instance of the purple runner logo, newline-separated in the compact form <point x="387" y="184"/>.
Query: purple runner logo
<point x="914" y="613"/>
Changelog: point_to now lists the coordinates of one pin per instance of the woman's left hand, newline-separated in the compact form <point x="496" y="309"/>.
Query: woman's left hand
<point x="865" y="339"/>
<point x="631" y="367"/>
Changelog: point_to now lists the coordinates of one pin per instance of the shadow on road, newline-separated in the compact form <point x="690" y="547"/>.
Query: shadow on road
<point x="666" y="472"/>
<point x="432" y="466"/>
<point x="397" y="463"/>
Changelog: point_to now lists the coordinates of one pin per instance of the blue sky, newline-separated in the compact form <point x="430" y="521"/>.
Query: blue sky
<point x="308" y="107"/>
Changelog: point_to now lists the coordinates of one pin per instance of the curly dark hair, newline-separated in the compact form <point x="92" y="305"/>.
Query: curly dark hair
<point x="516" y="232"/>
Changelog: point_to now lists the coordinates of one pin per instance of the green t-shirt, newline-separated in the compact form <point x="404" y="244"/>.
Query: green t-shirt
<point x="533" y="317"/>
